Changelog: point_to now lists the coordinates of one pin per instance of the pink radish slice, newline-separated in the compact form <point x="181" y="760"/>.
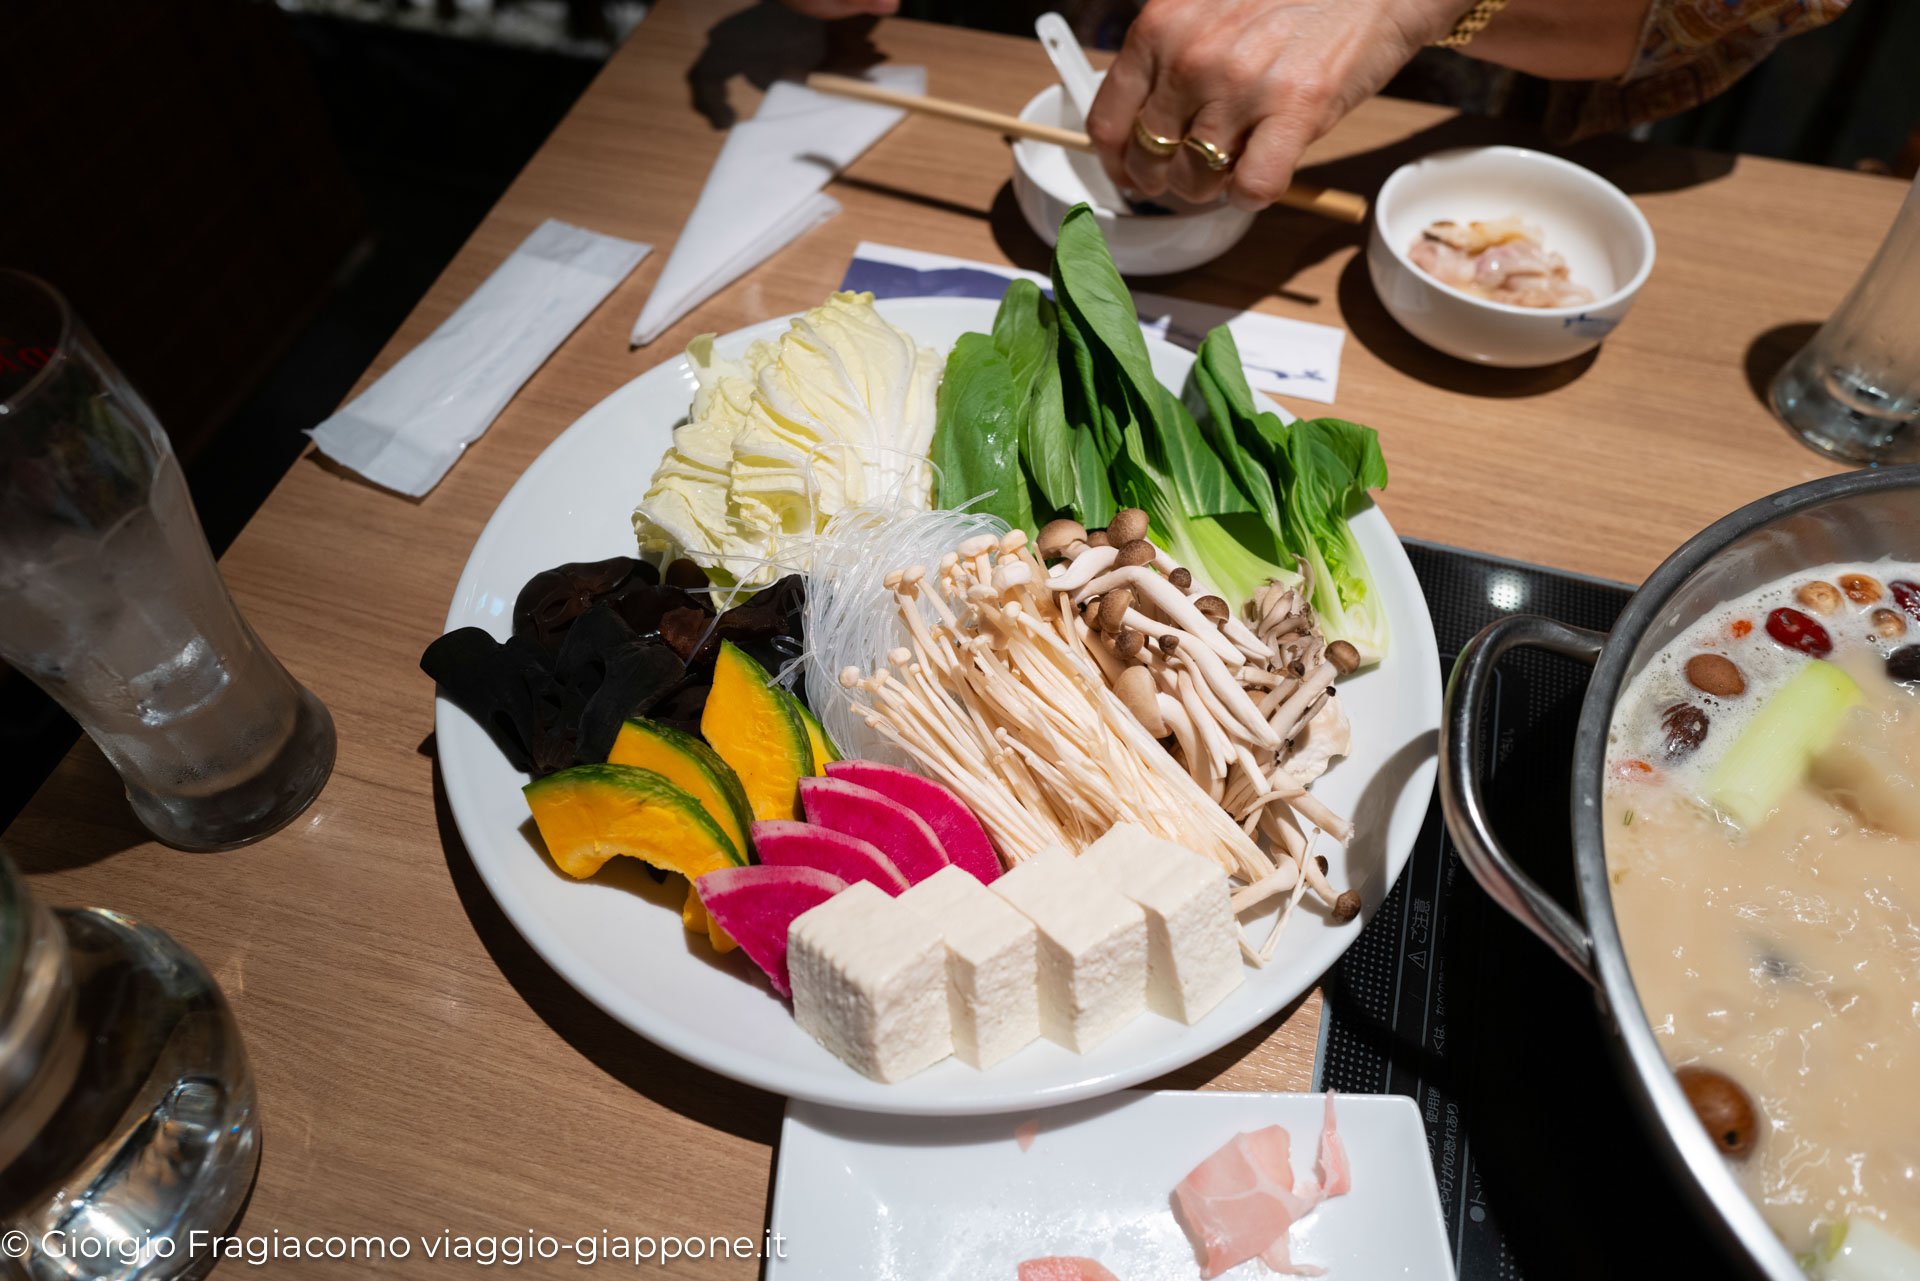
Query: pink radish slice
<point x="960" y="833"/>
<point x="756" y="904"/>
<point x="902" y="835"/>
<point x="784" y="843"/>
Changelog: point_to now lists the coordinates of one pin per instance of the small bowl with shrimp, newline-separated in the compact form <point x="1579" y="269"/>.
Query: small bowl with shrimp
<point x="1506" y="256"/>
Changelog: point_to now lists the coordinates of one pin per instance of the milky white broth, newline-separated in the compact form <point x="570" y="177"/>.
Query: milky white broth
<point x="1787" y="957"/>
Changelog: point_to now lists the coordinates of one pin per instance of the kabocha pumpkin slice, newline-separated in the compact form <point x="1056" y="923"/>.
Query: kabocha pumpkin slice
<point x="693" y="766"/>
<point x="757" y="904"/>
<point x="825" y="752"/>
<point x="591" y="813"/>
<point x="751" y="723"/>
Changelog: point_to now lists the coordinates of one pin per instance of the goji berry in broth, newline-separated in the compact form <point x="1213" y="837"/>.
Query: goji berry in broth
<point x="1796" y="631"/>
<point x="1907" y="596"/>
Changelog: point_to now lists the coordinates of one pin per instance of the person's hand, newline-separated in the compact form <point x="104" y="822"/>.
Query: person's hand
<point x="832" y="9"/>
<point x="1259" y="79"/>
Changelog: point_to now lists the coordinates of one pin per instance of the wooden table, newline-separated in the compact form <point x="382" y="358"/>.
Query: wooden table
<point x="420" y="1068"/>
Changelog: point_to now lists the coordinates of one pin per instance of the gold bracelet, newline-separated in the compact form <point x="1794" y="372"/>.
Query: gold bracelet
<point x="1471" y="24"/>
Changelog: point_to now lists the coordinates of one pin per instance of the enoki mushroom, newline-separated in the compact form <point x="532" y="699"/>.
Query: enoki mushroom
<point x="1033" y="714"/>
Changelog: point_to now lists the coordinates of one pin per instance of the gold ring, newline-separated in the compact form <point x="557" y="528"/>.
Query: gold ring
<point x="1217" y="160"/>
<point x="1152" y="143"/>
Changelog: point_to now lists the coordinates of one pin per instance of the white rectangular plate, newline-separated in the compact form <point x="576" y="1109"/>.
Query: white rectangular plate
<point x="891" y="1198"/>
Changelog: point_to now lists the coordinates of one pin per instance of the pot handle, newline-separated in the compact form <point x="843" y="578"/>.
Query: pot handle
<point x="1460" y="795"/>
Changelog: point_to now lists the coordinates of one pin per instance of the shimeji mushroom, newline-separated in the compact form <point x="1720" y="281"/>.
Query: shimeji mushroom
<point x="1062" y="538"/>
<point x="1136" y="688"/>
<point x="1084" y="569"/>
<point x="1152" y="588"/>
<point x="1128" y="524"/>
<point x="1259" y="664"/>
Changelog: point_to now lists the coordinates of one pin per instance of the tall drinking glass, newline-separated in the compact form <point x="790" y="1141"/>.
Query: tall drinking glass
<point x="110" y="600"/>
<point x="1854" y="391"/>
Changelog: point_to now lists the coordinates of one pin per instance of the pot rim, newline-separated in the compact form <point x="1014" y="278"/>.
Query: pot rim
<point x="1655" y="1088"/>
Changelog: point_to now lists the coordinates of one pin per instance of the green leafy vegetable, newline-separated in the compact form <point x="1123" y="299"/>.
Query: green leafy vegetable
<point x="1093" y="426"/>
<point x="1025" y="331"/>
<point x="1088" y="287"/>
<point x="1049" y="445"/>
<point x="1068" y="416"/>
<point x="1330" y="466"/>
<point x="1218" y="395"/>
<point x="976" y="433"/>
<point x="1155" y="453"/>
<point x="1323" y="467"/>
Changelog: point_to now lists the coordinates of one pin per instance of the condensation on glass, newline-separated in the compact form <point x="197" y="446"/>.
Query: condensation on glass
<point x="111" y="602"/>
<point x="1853" y="392"/>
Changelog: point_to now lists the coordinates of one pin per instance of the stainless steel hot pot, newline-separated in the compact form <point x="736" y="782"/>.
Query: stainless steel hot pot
<point x="1863" y="516"/>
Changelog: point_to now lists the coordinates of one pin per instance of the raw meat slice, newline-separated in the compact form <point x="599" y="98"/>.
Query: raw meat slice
<point x="1064" y="1268"/>
<point x="1241" y="1201"/>
<point x="1026" y="1132"/>
<point x="1336" y="1176"/>
<point x="1278" y="1258"/>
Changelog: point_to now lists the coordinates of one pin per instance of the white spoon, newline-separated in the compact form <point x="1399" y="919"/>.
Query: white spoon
<point x="1081" y="83"/>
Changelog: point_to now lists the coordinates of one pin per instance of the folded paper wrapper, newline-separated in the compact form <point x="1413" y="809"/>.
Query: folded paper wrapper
<point x="1282" y="357"/>
<point x="406" y="430"/>
<point x="764" y="191"/>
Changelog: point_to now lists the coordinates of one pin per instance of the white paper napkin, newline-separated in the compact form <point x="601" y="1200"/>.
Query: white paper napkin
<point x="406" y="430"/>
<point x="764" y="190"/>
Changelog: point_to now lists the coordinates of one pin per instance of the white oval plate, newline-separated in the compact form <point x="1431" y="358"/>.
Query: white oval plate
<point x="618" y="937"/>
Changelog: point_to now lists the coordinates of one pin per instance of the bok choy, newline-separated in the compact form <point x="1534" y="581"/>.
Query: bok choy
<point x="1322" y="469"/>
<point x="1059" y="412"/>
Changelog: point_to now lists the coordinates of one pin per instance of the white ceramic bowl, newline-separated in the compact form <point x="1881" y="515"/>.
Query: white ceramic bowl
<point x="1585" y="219"/>
<point x="1048" y="181"/>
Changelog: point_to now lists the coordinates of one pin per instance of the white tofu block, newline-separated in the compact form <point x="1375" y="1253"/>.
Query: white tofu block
<point x="870" y="982"/>
<point x="1093" y="948"/>
<point x="993" y="964"/>
<point x="1193" y="945"/>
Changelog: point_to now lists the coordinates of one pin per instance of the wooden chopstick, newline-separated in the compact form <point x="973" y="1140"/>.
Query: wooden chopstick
<point x="1343" y="206"/>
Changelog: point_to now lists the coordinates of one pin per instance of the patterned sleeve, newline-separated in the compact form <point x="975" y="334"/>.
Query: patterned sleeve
<point x="1690" y="51"/>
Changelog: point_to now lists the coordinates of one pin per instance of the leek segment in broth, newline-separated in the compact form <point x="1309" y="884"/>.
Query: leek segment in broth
<point x="1773" y="752"/>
